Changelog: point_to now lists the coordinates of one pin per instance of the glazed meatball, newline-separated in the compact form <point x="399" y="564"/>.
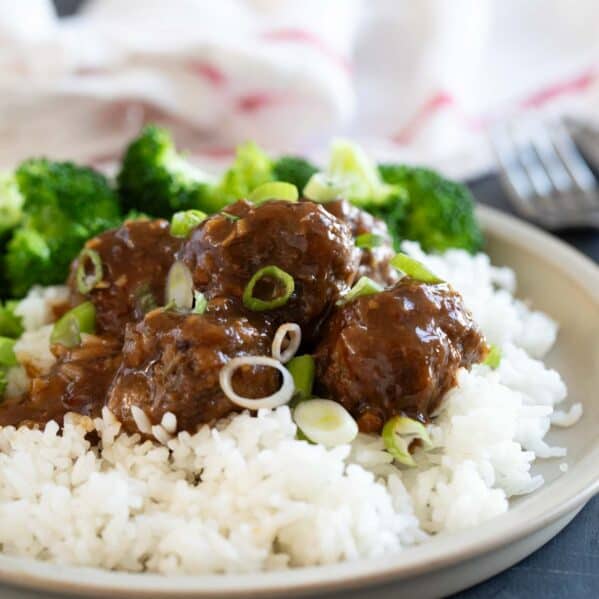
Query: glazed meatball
<point x="301" y="238"/>
<point x="374" y="262"/>
<point x="135" y="261"/>
<point x="397" y="352"/>
<point x="171" y="363"/>
<point x="77" y="382"/>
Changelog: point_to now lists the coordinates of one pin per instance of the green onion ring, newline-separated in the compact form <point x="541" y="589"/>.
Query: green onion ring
<point x="183" y="222"/>
<point x="85" y="283"/>
<point x="368" y="241"/>
<point x="302" y="370"/>
<point x="399" y="433"/>
<point x="414" y="269"/>
<point x="364" y="286"/>
<point x="67" y="330"/>
<point x="259" y="305"/>
<point x="179" y="287"/>
<point x="493" y="358"/>
<point x="326" y="422"/>
<point x="275" y="190"/>
<point x="200" y="303"/>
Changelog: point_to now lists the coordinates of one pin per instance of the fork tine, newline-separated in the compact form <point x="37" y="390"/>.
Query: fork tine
<point x="518" y="184"/>
<point x="533" y="166"/>
<point x="550" y="159"/>
<point x="573" y="161"/>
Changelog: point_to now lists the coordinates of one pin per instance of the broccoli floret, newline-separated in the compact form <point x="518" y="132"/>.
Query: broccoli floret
<point x="3" y="381"/>
<point x="156" y="180"/>
<point x="295" y="170"/>
<point x="11" y="325"/>
<point x="251" y="168"/>
<point x="11" y="203"/>
<point x="64" y="205"/>
<point x="439" y="214"/>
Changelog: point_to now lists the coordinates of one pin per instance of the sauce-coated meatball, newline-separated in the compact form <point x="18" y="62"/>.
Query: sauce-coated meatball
<point x="171" y="363"/>
<point x="301" y="238"/>
<point x="136" y="259"/>
<point x="77" y="382"/>
<point x="397" y="352"/>
<point x="374" y="262"/>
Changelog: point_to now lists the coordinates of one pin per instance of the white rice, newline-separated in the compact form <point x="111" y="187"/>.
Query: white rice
<point x="248" y="496"/>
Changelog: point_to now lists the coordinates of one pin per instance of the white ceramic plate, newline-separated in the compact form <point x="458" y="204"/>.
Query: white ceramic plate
<point x="557" y="280"/>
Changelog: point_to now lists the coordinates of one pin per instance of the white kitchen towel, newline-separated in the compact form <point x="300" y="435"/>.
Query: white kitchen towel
<point x="417" y="81"/>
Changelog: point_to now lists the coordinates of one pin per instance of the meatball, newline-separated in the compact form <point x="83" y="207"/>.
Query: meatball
<point x="171" y="363"/>
<point x="135" y="260"/>
<point x="374" y="262"/>
<point x="78" y="382"/>
<point x="397" y="352"/>
<point x="301" y="238"/>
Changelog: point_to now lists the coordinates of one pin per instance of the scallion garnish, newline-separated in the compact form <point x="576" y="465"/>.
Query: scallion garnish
<point x="285" y="281"/>
<point x="200" y="303"/>
<point x="67" y="330"/>
<point x="364" y="286"/>
<point x="321" y="188"/>
<point x="493" y="358"/>
<point x="302" y="370"/>
<point x="86" y="282"/>
<point x="230" y="217"/>
<point x="183" y="222"/>
<point x="326" y="422"/>
<point x="368" y="241"/>
<point x="275" y="190"/>
<point x="399" y="433"/>
<point x="414" y="269"/>
<point x="7" y="353"/>
<point x="179" y="287"/>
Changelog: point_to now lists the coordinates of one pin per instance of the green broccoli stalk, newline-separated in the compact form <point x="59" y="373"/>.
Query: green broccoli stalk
<point x="439" y="213"/>
<point x="251" y="168"/>
<point x="294" y="170"/>
<point x="64" y="205"/>
<point x="155" y="179"/>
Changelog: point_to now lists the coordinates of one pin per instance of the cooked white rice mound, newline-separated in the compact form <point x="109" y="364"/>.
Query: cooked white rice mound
<point x="249" y="496"/>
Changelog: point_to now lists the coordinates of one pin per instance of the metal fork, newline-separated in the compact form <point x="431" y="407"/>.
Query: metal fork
<point x="544" y="174"/>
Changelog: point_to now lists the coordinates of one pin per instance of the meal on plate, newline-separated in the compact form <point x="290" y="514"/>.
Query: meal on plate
<point x="276" y="367"/>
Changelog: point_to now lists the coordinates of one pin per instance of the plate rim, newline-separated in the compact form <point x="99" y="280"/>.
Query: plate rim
<point x="441" y="552"/>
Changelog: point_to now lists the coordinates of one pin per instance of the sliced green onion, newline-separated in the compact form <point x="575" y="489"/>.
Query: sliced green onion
<point x="81" y="319"/>
<point x="183" y="222"/>
<point x="368" y="241"/>
<point x="274" y="272"/>
<point x="399" y="433"/>
<point x="322" y="188"/>
<point x="302" y="370"/>
<point x="276" y="190"/>
<point x="144" y="299"/>
<point x="231" y="217"/>
<point x="200" y="303"/>
<point x="179" y="287"/>
<point x="7" y="352"/>
<point x="326" y="422"/>
<point x="493" y="358"/>
<point x="364" y="286"/>
<point x="414" y="269"/>
<point x="85" y="282"/>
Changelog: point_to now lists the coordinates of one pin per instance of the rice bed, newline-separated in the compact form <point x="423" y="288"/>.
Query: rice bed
<point x="248" y="496"/>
